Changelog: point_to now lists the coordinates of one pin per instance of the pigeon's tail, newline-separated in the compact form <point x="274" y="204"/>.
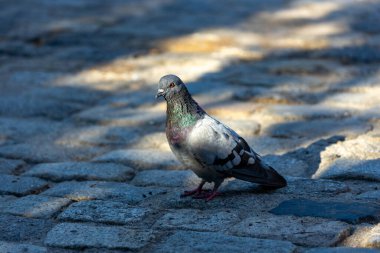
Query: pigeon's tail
<point x="261" y="174"/>
<point x="278" y="180"/>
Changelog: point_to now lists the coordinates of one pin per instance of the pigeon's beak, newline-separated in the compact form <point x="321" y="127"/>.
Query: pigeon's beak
<point x="160" y="93"/>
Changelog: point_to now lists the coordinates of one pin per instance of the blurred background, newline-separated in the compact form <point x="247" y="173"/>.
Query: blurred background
<point x="78" y="77"/>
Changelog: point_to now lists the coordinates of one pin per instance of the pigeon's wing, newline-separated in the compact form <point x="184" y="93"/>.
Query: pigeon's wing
<point x="217" y="146"/>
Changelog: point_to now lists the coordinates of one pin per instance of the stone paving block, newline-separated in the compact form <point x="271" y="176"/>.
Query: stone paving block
<point x="193" y="219"/>
<point x="172" y="200"/>
<point x="21" y="229"/>
<point x="320" y="128"/>
<point x="370" y="195"/>
<point x="341" y="250"/>
<point x="21" y="48"/>
<point x="142" y="159"/>
<point x="266" y="145"/>
<point x="359" y="236"/>
<point x="303" y="112"/>
<point x="285" y="81"/>
<point x="47" y="151"/>
<point x="79" y="235"/>
<point x="235" y="195"/>
<point x="307" y="231"/>
<point x="100" y="136"/>
<point x="102" y="190"/>
<point x="110" y="212"/>
<point x="347" y="168"/>
<point x="81" y="171"/>
<point x="232" y="185"/>
<point x="121" y="115"/>
<point x="352" y="159"/>
<point x="29" y="152"/>
<point x="18" y="185"/>
<point x="298" y="66"/>
<point x="352" y="212"/>
<point x="20" y="129"/>
<point x="184" y="180"/>
<point x="133" y="99"/>
<point x="68" y="93"/>
<point x="4" y="200"/>
<point x="36" y="206"/>
<point x="349" y="54"/>
<point x="373" y="237"/>
<point x="8" y="166"/>
<point x="307" y="153"/>
<point x="357" y="100"/>
<point x="11" y="247"/>
<point x="27" y="77"/>
<point x="156" y="140"/>
<point x="166" y="178"/>
<point x="312" y="186"/>
<point x="286" y="165"/>
<point x="203" y="242"/>
<point x="243" y="127"/>
<point x="34" y="104"/>
<point x="231" y="111"/>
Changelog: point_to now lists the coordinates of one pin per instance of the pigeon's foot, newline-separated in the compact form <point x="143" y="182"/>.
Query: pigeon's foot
<point x="212" y="195"/>
<point x="214" y="191"/>
<point x="196" y="192"/>
<point x="207" y="195"/>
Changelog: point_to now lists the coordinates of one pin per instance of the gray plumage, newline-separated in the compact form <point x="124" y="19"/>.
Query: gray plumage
<point x="211" y="149"/>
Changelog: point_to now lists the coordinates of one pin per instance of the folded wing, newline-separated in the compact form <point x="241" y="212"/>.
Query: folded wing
<point x="219" y="147"/>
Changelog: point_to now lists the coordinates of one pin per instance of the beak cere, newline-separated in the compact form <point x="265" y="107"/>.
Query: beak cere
<point x="160" y="93"/>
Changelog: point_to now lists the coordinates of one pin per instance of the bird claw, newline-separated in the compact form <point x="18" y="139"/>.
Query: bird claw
<point x="202" y="194"/>
<point x="199" y="193"/>
<point x="194" y="192"/>
<point x="210" y="195"/>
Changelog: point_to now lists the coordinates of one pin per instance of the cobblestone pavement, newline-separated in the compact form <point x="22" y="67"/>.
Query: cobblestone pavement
<point x="84" y="163"/>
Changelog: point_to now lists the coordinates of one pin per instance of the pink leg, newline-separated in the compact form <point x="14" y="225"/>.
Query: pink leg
<point x="212" y="195"/>
<point x="209" y="195"/>
<point x="194" y="192"/>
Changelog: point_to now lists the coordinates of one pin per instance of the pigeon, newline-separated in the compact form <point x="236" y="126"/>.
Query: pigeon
<point x="212" y="150"/>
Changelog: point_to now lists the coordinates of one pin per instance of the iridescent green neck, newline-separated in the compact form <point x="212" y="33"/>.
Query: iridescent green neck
<point x="182" y="111"/>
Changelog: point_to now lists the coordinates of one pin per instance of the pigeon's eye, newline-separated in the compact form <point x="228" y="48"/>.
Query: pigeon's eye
<point x="171" y="85"/>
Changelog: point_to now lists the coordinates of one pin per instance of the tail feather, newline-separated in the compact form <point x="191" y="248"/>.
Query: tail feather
<point x="261" y="174"/>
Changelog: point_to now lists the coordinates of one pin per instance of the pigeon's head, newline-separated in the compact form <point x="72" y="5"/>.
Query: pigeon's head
<point x="169" y="86"/>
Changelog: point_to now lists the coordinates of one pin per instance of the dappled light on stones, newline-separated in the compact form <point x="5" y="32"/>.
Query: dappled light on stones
<point x="84" y="161"/>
